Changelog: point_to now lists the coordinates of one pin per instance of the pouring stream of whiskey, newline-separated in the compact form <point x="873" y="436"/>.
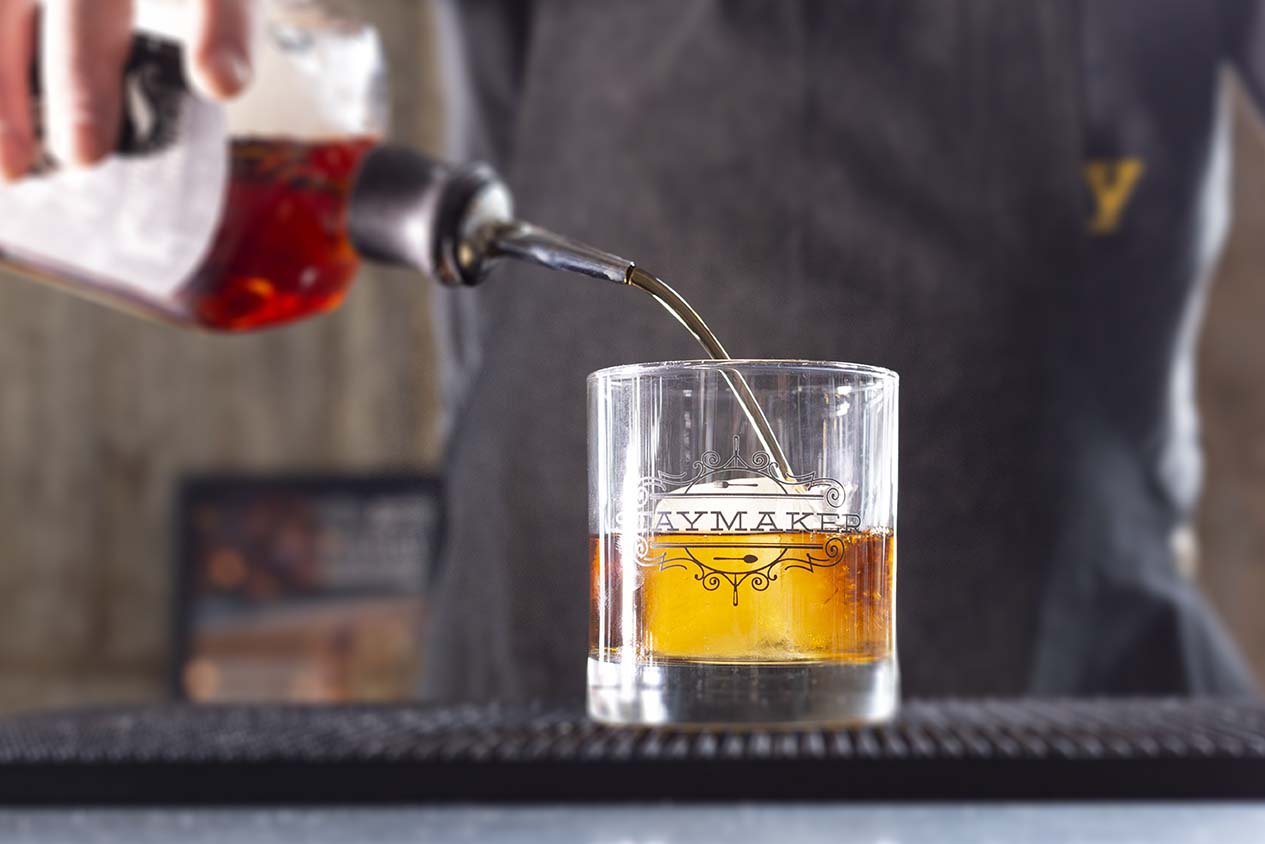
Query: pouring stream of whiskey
<point x="530" y="243"/>
<point x="686" y="315"/>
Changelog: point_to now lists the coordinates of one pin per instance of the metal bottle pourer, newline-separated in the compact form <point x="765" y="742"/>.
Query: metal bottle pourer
<point x="453" y="223"/>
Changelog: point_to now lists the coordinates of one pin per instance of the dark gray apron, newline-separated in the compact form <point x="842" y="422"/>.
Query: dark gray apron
<point x="889" y="183"/>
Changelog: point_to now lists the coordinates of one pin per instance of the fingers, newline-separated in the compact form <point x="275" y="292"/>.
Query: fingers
<point x="86" y="43"/>
<point x="17" y="47"/>
<point x="219" y="47"/>
<point x="85" y="46"/>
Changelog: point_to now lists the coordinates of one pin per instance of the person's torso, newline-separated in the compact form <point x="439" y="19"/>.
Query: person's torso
<point x="990" y="198"/>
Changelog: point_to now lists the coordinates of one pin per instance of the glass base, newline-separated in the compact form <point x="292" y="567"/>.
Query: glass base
<point x="769" y="694"/>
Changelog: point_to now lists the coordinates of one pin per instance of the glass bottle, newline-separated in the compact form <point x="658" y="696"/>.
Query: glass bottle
<point x="228" y="217"/>
<point x="256" y="213"/>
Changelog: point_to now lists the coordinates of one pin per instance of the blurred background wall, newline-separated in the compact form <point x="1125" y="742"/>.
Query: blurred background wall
<point x="1232" y="395"/>
<point x="100" y="414"/>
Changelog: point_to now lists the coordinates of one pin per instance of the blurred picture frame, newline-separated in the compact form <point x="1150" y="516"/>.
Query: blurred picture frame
<point x="303" y="588"/>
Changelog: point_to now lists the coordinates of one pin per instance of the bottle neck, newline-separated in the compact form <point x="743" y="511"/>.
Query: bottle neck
<point x="409" y="210"/>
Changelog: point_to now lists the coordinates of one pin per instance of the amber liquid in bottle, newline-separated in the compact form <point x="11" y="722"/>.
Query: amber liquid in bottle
<point x="282" y="251"/>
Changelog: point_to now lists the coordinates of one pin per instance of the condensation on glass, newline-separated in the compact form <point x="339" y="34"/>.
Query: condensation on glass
<point x="727" y="587"/>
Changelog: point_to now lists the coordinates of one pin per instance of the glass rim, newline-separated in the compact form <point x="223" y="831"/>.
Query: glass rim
<point x="628" y="370"/>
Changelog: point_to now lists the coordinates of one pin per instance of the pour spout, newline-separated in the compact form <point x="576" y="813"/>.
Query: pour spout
<point x="454" y="222"/>
<point x="514" y="239"/>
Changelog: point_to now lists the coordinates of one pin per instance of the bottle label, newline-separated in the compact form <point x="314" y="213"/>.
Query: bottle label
<point x="139" y="224"/>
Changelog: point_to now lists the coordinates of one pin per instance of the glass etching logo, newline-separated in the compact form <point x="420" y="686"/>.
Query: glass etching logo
<point x="740" y="521"/>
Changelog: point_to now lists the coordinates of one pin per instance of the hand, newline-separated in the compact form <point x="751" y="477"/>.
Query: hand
<point x="83" y="46"/>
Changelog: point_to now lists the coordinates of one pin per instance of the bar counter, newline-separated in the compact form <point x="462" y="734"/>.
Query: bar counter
<point x="984" y="770"/>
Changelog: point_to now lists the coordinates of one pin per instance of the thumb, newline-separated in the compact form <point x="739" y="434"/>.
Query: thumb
<point x="218" y="53"/>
